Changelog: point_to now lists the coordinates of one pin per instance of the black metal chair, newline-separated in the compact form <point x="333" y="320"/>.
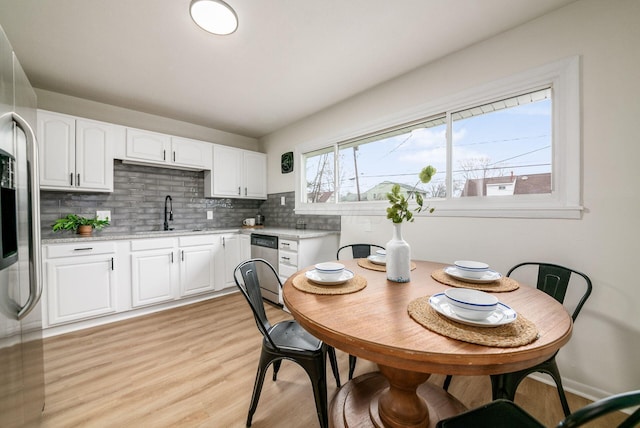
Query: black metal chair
<point x="358" y="251"/>
<point x="506" y="414"/>
<point x="285" y="340"/>
<point x="554" y="280"/>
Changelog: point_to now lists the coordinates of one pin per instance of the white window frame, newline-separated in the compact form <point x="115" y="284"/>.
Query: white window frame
<point x="564" y="201"/>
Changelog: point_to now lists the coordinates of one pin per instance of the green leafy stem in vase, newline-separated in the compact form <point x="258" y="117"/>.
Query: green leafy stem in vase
<point x="72" y="222"/>
<point x="399" y="210"/>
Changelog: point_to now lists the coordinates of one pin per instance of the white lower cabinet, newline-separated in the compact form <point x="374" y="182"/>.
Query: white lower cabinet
<point x="197" y="265"/>
<point x="91" y="279"/>
<point x="153" y="271"/>
<point x="295" y="254"/>
<point x="80" y="281"/>
<point x="228" y="258"/>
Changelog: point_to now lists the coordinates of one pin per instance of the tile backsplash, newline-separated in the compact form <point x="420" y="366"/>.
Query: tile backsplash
<point x="279" y="215"/>
<point x="137" y="204"/>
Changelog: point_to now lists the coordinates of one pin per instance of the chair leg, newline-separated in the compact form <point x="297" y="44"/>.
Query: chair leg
<point x="552" y="369"/>
<point x="352" y="365"/>
<point x="505" y="385"/>
<point x="265" y="359"/>
<point x="447" y="382"/>
<point x="334" y="364"/>
<point x="317" y="373"/>
<point x="276" y="368"/>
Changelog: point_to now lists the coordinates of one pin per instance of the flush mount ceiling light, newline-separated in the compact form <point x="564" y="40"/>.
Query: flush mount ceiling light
<point x="214" y="16"/>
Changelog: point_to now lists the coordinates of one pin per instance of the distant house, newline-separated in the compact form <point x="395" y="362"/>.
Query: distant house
<point x="508" y="185"/>
<point x="380" y="190"/>
<point x="319" y="197"/>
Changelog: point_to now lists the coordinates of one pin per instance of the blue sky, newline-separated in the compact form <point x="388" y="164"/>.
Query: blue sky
<point x="512" y="139"/>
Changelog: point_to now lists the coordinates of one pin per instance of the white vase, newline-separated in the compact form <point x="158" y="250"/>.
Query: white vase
<point x="398" y="256"/>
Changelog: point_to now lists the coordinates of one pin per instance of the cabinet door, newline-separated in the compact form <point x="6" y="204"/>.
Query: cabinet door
<point x="56" y="148"/>
<point x="191" y="153"/>
<point x="80" y="287"/>
<point x="197" y="269"/>
<point x="231" y="245"/>
<point x="227" y="171"/>
<point x="94" y="155"/>
<point x="152" y="276"/>
<point x="148" y="146"/>
<point x="255" y="175"/>
<point x="245" y="247"/>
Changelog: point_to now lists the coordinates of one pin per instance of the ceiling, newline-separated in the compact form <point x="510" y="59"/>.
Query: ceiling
<point x="287" y="60"/>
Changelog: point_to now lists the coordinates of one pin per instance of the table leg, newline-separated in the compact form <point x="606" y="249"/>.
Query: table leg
<point x="400" y="405"/>
<point x="369" y="401"/>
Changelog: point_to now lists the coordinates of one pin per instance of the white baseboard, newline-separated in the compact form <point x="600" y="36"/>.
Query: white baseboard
<point x="577" y="388"/>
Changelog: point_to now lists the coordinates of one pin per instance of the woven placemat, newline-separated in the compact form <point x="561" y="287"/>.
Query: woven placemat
<point x="367" y="264"/>
<point x="501" y="285"/>
<point x="302" y="283"/>
<point x="517" y="333"/>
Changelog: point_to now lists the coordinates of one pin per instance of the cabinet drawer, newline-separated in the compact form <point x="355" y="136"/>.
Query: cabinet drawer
<point x="187" y="241"/>
<point x="285" y="271"/>
<point x="151" y="244"/>
<point x="80" y="248"/>
<point x="285" y="244"/>
<point x="288" y="258"/>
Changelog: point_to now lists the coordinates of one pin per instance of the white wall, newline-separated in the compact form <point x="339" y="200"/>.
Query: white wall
<point x="604" y="353"/>
<point x="61" y="103"/>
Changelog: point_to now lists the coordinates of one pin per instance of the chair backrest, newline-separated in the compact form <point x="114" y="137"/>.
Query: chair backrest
<point x="554" y="280"/>
<point x="359" y="251"/>
<point x="247" y="280"/>
<point x="602" y="407"/>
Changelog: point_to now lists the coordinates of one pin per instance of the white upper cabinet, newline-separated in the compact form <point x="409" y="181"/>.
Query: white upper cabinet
<point x="227" y="172"/>
<point x="237" y="173"/>
<point x="76" y="154"/>
<point x="148" y="146"/>
<point x="192" y="153"/>
<point x="155" y="148"/>
<point x="255" y="175"/>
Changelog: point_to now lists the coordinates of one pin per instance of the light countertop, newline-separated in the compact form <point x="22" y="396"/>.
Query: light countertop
<point x="273" y="231"/>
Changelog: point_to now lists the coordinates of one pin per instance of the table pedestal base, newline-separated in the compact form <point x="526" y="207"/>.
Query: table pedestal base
<point x="356" y="404"/>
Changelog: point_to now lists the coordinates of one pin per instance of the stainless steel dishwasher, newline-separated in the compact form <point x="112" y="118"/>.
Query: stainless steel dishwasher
<point x="266" y="247"/>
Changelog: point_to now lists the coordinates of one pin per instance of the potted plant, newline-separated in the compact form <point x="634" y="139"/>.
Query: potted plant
<point x="398" y="257"/>
<point x="82" y="225"/>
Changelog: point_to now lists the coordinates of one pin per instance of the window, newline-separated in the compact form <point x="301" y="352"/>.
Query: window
<point x="508" y="149"/>
<point x="503" y="148"/>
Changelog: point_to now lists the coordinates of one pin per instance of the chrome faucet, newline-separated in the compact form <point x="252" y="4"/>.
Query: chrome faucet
<point x="170" y="212"/>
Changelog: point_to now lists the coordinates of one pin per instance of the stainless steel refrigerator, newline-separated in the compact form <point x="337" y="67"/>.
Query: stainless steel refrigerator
<point x="21" y="350"/>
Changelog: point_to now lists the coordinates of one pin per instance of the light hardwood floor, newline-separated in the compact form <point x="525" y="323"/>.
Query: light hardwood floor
<point x="194" y="366"/>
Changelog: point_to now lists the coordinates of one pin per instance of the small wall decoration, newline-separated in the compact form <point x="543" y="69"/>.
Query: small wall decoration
<point x="287" y="162"/>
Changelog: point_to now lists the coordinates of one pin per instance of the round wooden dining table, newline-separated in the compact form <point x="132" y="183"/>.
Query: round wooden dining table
<point x="373" y="323"/>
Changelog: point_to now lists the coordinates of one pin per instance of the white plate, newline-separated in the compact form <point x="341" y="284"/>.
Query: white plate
<point x="489" y="276"/>
<point x="314" y="276"/>
<point x="377" y="260"/>
<point x="502" y="315"/>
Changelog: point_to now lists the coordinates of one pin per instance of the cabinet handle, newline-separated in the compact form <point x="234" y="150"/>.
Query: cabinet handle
<point x="285" y="244"/>
<point x="172" y="257"/>
<point x="112" y="264"/>
<point x="174" y="156"/>
<point x="285" y="258"/>
<point x="78" y="180"/>
<point x="83" y="249"/>
<point x="245" y="191"/>
<point x="164" y="155"/>
<point x="224" y="243"/>
<point x="71" y="175"/>
<point x="239" y="190"/>
<point x="182" y="255"/>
